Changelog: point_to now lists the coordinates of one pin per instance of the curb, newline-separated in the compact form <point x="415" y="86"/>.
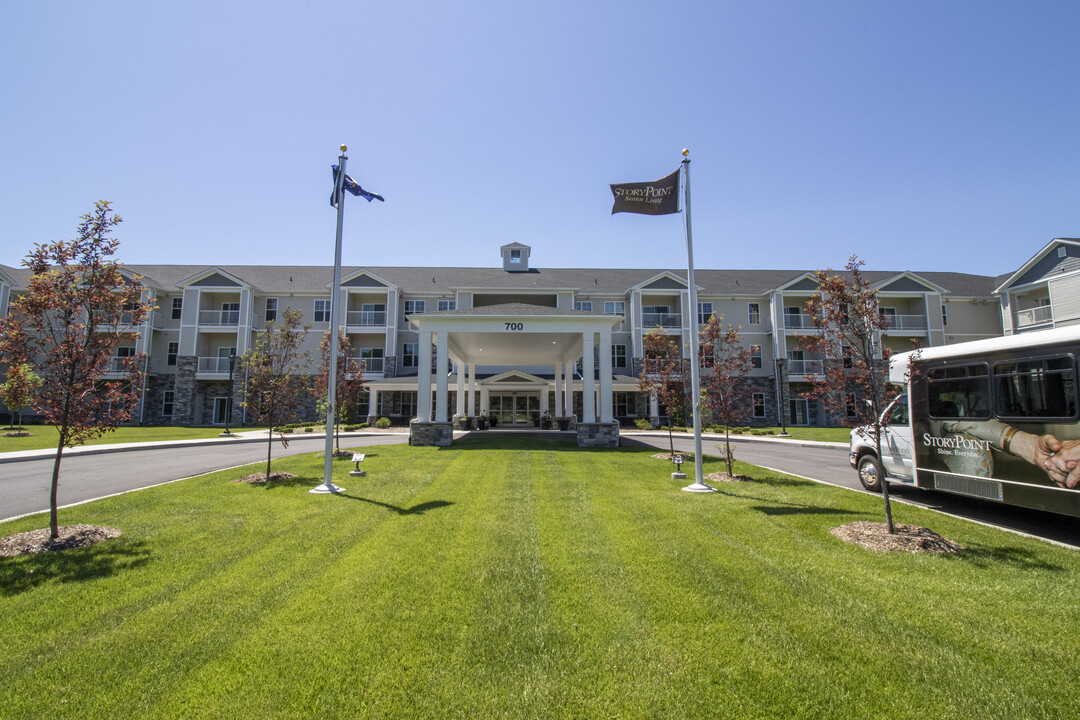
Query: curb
<point x="743" y="438"/>
<point x="128" y="447"/>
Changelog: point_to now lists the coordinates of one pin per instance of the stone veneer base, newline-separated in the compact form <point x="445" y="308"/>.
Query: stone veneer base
<point x="598" y="434"/>
<point x="439" y="434"/>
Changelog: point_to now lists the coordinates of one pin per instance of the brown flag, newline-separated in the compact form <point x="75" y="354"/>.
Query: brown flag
<point x="660" y="197"/>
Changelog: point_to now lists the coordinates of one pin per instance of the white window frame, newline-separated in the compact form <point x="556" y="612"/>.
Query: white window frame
<point x="271" y="306"/>
<point x="702" y="316"/>
<point x="415" y="307"/>
<point x="615" y="355"/>
<point x="172" y="351"/>
<point x="583" y="305"/>
<point x="177" y="308"/>
<point x="447" y="305"/>
<point x="753" y="313"/>
<point x="756" y="362"/>
<point x="614" y="307"/>
<point x="321" y="312"/>
<point x="410" y="355"/>
<point x="754" y="397"/>
<point x="168" y="400"/>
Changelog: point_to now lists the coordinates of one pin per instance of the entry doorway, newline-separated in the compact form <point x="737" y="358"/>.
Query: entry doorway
<point x="221" y="410"/>
<point x="800" y="411"/>
<point x="519" y="409"/>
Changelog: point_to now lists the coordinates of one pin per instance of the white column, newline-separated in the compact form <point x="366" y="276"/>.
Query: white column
<point x="605" y="376"/>
<point x="588" y="379"/>
<point x="654" y="409"/>
<point x="472" y="388"/>
<point x="423" y="377"/>
<point x="373" y="404"/>
<point x="442" y="367"/>
<point x="544" y="401"/>
<point x="460" y="408"/>
<point x="484" y="407"/>
<point x="568" y="390"/>
<point x="558" y="390"/>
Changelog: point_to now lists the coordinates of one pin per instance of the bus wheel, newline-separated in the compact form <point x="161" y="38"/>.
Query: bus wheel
<point x="870" y="473"/>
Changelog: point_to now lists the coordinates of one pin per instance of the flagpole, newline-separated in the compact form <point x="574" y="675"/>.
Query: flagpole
<point x="332" y="353"/>
<point x="695" y="382"/>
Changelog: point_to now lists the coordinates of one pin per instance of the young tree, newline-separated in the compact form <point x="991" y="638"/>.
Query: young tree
<point x="18" y="390"/>
<point x="662" y="374"/>
<point x="724" y="390"/>
<point x="851" y="329"/>
<point x="350" y="381"/>
<point x="78" y="308"/>
<point x="276" y="384"/>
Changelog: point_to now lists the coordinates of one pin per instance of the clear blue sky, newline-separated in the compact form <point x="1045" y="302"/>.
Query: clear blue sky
<point x="922" y="135"/>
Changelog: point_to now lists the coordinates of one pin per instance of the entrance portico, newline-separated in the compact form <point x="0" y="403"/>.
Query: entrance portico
<point x="518" y="335"/>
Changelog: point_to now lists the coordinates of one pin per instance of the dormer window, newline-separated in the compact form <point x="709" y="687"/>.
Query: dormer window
<point x="515" y="257"/>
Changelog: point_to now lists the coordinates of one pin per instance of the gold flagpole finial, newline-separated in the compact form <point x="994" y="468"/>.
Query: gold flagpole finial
<point x="685" y="152"/>
<point x="343" y="149"/>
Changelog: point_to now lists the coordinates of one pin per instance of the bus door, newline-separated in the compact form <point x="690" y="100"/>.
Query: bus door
<point x="896" y="450"/>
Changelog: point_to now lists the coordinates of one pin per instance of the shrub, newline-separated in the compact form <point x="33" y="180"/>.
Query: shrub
<point x="643" y="424"/>
<point x="382" y="423"/>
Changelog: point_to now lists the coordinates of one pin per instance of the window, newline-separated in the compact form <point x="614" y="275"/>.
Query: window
<point x="372" y="359"/>
<point x="755" y="357"/>
<point x="704" y="312"/>
<point x="167" y="403"/>
<point x="230" y="313"/>
<point x="448" y="304"/>
<point x="845" y="352"/>
<point x="177" y="307"/>
<point x="753" y="313"/>
<point x="1061" y="251"/>
<point x="705" y="359"/>
<point x="413" y="307"/>
<point x="614" y="307"/>
<point x="515" y="256"/>
<point x="618" y="356"/>
<point x="170" y="356"/>
<point x="759" y="404"/>
<point x="622" y="404"/>
<point x="322" y="311"/>
<point x="959" y="391"/>
<point x="408" y="404"/>
<point x="583" y="305"/>
<point x="888" y="315"/>
<point x="944" y="316"/>
<point x="271" y="309"/>
<point x="1042" y="388"/>
<point x="849" y="406"/>
<point x="408" y="355"/>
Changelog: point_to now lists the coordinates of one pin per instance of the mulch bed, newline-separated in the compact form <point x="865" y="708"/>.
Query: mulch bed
<point x="71" y="537"/>
<point x="261" y="477"/>
<point x="723" y="476"/>
<point x="667" y="456"/>
<point x="16" y="433"/>
<point x="907" y="538"/>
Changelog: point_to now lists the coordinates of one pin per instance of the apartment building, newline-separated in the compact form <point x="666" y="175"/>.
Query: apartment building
<point x="514" y="342"/>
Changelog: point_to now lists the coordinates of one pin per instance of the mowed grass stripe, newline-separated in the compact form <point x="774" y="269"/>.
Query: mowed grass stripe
<point x="528" y="579"/>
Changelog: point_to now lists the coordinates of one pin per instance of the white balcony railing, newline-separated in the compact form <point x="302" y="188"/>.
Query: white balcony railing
<point x="214" y="365"/>
<point x="371" y="365"/>
<point x="1034" y="316"/>
<point x="366" y="318"/>
<point x="799" y="322"/>
<point x="219" y="317"/>
<point x="804" y="367"/>
<point x="664" y="320"/>
<point x="906" y="322"/>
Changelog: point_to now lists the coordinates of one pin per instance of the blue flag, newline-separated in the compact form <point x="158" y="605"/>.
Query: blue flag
<point x="352" y="186"/>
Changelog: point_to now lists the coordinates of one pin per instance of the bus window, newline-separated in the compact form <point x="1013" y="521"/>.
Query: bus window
<point x="961" y="391"/>
<point x="1039" y="389"/>
<point x="897" y="414"/>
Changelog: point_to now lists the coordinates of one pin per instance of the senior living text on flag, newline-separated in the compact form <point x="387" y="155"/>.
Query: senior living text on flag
<point x="660" y="197"/>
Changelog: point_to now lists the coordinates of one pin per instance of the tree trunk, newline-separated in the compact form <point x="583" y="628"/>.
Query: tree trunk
<point x="270" y="441"/>
<point x="727" y="450"/>
<point x="54" y="526"/>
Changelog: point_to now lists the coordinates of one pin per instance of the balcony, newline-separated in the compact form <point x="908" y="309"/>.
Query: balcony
<point x="221" y="318"/>
<point x="365" y="318"/>
<point x="805" y="367"/>
<point x="906" y="322"/>
<point x="372" y="366"/>
<point x="664" y="320"/>
<point x="800" y="322"/>
<point x="1041" y="315"/>
<point x="214" y="365"/>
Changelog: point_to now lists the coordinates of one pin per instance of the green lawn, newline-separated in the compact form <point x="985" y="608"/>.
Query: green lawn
<point x="528" y="579"/>
<point x="45" y="436"/>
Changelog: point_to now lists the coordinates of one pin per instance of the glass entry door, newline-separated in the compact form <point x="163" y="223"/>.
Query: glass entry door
<point x="515" y="409"/>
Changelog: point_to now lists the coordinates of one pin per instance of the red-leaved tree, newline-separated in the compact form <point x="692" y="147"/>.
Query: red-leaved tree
<point x="276" y="381"/>
<point x="349" y="385"/>
<point x="849" y="337"/>
<point x="77" y="309"/>
<point x="18" y="390"/>
<point x="662" y="374"/>
<point x="723" y="387"/>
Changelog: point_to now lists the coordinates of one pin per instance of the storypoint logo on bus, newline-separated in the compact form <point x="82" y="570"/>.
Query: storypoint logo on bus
<point x="957" y="444"/>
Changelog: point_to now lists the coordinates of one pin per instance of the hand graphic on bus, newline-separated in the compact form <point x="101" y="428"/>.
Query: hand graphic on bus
<point x="1063" y="466"/>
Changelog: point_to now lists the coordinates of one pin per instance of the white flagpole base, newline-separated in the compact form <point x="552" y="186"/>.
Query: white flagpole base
<point x="699" y="487"/>
<point x="326" y="489"/>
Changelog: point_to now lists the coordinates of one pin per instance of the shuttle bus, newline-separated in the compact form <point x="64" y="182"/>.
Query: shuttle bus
<point x="994" y="419"/>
